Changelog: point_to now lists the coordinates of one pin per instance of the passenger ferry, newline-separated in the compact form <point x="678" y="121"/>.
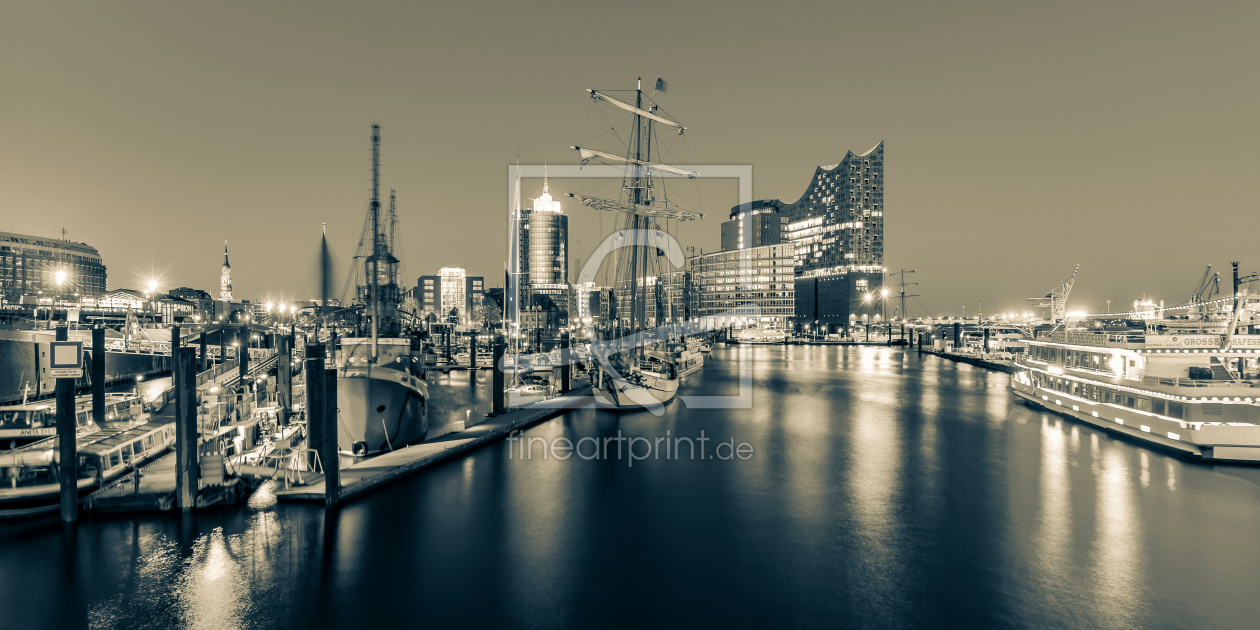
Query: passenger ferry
<point x="1191" y="392"/>
<point x="758" y="336"/>
<point x="28" y="475"/>
<point x="33" y="421"/>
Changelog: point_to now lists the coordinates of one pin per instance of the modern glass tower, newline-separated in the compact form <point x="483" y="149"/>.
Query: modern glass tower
<point x="545" y="242"/>
<point x="837" y="229"/>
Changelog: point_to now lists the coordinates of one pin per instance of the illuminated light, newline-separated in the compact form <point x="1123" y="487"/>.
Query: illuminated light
<point x="1119" y="421"/>
<point x="1146" y="428"/>
<point x="1058" y="402"/>
<point x="1174" y="436"/>
<point x="1075" y="408"/>
<point x="1095" y="414"/>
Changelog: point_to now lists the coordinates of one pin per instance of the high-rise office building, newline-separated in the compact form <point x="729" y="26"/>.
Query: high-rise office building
<point x="33" y="265"/>
<point x="837" y="230"/>
<point x="745" y="288"/>
<point x="451" y="289"/>
<point x="544" y="250"/>
<point x="754" y="224"/>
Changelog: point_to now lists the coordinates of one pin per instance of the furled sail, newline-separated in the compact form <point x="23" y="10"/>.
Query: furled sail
<point x="600" y="96"/>
<point x="634" y="208"/>
<point x="588" y="154"/>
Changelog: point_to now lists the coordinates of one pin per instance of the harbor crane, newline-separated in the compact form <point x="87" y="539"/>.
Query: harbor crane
<point x="1209" y="286"/>
<point x="1056" y="300"/>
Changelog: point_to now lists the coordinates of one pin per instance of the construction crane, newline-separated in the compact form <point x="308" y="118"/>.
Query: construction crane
<point x="1056" y="300"/>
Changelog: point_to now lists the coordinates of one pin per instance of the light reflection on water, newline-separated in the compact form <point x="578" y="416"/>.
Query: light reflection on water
<point x="887" y="489"/>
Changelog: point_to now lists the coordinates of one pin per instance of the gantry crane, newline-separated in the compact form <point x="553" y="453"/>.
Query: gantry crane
<point x="1056" y="300"/>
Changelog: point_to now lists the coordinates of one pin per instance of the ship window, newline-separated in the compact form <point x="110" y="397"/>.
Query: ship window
<point x="113" y="460"/>
<point x="1213" y="409"/>
<point x="1176" y="410"/>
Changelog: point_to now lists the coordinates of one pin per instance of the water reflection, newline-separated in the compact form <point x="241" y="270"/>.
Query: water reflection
<point x="887" y="490"/>
<point x="1117" y="558"/>
<point x="1054" y="538"/>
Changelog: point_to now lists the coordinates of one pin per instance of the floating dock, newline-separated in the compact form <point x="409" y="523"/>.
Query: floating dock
<point x="365" y="476"/>
<point x="1009" y="368"/>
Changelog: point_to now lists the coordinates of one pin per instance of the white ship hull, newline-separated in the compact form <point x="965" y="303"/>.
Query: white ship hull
<point x="651" y="392"/>
<point x="1242" y="444"/>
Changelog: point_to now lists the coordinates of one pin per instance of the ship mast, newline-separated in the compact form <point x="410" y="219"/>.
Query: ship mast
<point x="642" y="154"/>
<point x="376" y="233"/>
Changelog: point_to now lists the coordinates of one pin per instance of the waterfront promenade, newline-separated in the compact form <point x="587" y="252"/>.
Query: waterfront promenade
<point x="886" y="489"/>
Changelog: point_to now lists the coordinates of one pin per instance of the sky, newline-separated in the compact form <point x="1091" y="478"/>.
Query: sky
<point x="1022" y="139"/>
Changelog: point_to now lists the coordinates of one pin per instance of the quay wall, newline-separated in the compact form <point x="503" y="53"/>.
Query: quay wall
<point x="26" y="362"/>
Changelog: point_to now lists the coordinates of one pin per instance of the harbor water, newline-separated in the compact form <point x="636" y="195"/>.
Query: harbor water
<point x="880" y="489"/>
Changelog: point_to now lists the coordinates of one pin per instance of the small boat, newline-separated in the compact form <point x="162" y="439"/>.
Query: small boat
<point x="688" y="361"/>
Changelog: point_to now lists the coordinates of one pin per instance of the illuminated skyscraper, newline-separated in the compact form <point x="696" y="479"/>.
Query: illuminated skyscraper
<point x="544" y="256"/>
<point x="545" y="242"/>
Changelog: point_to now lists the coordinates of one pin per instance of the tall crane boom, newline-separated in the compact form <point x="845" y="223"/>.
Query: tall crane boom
<point x="1056" y="300"/>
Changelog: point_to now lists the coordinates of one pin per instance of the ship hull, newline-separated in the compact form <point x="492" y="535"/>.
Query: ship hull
<point x="623" y="395"/>
<point x="1082" y="411"/>
<point x="380" y="410"/>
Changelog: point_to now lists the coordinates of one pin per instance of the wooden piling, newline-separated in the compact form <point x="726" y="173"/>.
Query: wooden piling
<point x="98" y="375"/>
<point x="67" y="442"/>
<point x="187" y="434"/>
<point x="565" y="368"/>
<point x="332" y="465"/>
<point x="242" y="354"/>
<point x="497" y="371"/>
<point x="204" y="361"/>
<point x="284" y="378"/>
<point x="315" y="399"/>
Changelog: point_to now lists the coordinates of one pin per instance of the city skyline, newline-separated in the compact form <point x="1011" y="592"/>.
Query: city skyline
<point x="1073" y="136"/>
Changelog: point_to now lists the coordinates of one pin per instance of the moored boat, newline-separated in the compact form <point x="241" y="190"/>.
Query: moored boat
<point x="1193" y="392"/>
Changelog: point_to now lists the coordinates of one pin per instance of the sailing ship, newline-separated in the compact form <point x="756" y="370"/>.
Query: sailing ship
<point x="641" y="370"/>
<point x="383" y="397"/>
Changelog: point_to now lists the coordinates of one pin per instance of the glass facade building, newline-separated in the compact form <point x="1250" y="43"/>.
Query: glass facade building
<point x="451" y="288"/>
<point x="837" y="230"/>
<point x="544" y="256"/>
<point x="32" y="265"/>
<point x="745" y="288"/>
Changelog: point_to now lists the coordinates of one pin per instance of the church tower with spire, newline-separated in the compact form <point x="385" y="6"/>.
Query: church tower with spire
<point x="225" y="279"/>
